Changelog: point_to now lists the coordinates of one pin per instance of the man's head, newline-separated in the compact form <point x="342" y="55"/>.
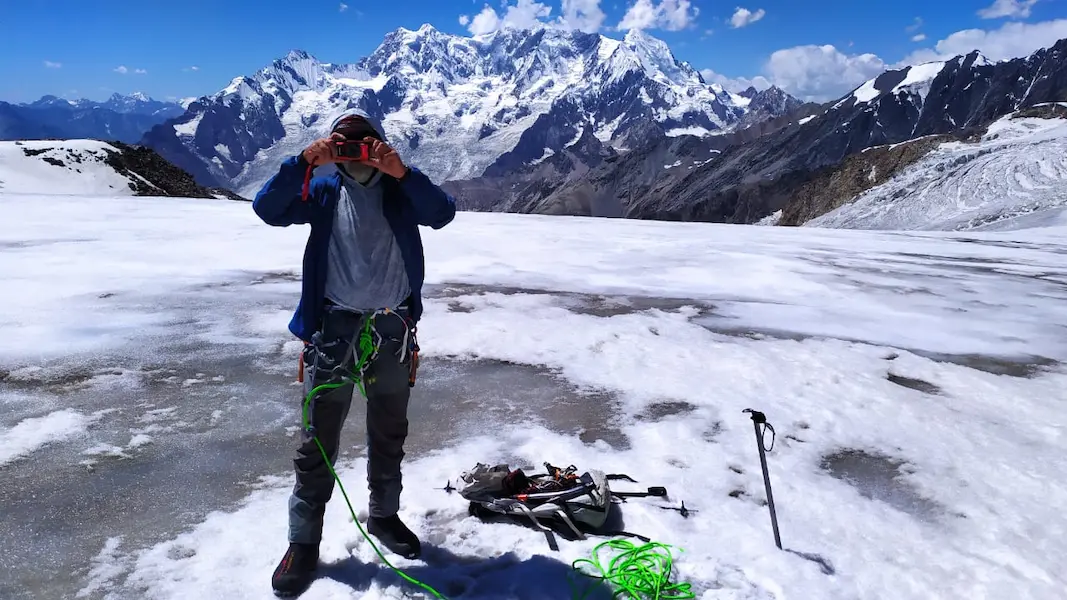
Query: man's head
<point x="356" y="127"/>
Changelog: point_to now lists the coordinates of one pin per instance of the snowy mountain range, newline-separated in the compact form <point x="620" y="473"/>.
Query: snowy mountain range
<point x="755" y="176"/>
<point x="459" y="107"/>
<point x="1014" y="174"/>
<point x="124" y="118"/>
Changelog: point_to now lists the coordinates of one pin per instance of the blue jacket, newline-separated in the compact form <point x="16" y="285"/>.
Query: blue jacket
<point x="410" y="201"/>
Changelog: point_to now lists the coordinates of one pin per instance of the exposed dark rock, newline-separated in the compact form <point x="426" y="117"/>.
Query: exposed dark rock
<point x="915" y="384"/>
<point x="163" y="178"/>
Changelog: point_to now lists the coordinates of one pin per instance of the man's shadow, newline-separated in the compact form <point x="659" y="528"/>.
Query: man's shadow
<point x="504" y="577"/>
<point x="474" y="577"/>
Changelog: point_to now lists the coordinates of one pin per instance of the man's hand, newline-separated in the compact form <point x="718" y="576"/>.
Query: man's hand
<point x="320" y="152"/>
<point x="384" y="158"/>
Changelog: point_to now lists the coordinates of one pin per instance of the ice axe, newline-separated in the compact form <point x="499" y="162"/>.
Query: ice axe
<point x="758" y="419"/>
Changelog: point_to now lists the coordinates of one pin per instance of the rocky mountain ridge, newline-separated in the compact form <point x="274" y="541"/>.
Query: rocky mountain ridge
<point x="751" y="179"/>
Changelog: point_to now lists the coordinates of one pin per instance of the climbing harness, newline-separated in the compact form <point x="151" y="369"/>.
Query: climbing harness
<point x="369" y="343"/>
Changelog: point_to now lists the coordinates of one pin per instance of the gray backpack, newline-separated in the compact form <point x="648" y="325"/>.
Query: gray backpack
<point x="560" y="500"/>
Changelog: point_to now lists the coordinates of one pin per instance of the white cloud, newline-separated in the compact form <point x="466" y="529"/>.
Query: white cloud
<point x="1011" y="40"/>
<point x="140" y="71"/>
<point x="584" y="15"/>
<point x="743" y="17"/>
<point x="670" y="15"/>
<point x="121" y="69"/>
<point x="525" y="14"/>
<point x="1019" y="9"/>
<point x="915" y="25"/>
<point x="52" y="65"/>
<point x="192" y="68"/>
<point x="343" y="7"/>
<point x="819" y="73"/>
<point x="738" y="84"/>
<point x="918" y="37"/>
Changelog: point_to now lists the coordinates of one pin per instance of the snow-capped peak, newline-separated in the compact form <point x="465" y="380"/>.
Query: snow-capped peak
<point x="457" y="104"/>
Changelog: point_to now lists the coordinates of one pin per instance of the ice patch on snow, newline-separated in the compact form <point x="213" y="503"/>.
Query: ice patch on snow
<point x="189" y="127"/>
<point x="30" y="434"/>
<point x="866" y="92"/>
<point x="697" y="131"/>
<point x="919" y="79"/>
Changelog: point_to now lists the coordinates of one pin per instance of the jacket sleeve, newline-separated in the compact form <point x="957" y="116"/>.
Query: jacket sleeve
<point x="433" y="206"/>
<point x="279" y="202"/>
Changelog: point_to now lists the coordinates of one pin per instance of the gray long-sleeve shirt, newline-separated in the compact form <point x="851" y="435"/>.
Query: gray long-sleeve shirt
<point x="365" y="269"/>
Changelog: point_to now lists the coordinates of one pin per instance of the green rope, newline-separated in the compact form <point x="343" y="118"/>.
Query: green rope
<point x="640" y="572"/>
<point x="366" y="350"/>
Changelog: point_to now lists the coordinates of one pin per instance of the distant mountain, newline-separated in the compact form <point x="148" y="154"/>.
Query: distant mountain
<point x="121" y="118"/>
<point x="759" y="175"/>
<point x="461" y="107"/>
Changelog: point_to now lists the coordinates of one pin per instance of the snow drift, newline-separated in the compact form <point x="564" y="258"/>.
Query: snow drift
<point x="919" y="447"/>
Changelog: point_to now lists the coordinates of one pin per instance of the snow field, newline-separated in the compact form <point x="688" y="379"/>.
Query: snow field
<point x="828" y="332"/>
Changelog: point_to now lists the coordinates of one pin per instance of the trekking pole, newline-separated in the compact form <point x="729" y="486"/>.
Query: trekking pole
<point x="758" y="419"/>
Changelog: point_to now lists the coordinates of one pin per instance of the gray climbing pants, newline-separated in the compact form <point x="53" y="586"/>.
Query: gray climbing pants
<point x="386" y="384"/>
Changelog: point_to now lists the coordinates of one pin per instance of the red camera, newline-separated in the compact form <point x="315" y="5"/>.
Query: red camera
<point x="351" y="150"/>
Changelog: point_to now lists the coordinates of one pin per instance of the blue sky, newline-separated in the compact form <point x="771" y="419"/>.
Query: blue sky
<point x="814" y="49"/>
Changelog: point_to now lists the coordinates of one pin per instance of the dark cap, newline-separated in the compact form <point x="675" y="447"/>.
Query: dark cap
<point x="355" y="127"/>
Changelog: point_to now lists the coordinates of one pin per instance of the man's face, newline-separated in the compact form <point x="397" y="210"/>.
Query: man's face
<point x="356" y="128"/>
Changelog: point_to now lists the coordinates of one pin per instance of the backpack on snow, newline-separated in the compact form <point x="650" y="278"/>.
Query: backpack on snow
<point x="561" y="500"/>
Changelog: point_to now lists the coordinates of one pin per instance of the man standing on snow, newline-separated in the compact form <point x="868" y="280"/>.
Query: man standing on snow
<point x="363" y="261"/>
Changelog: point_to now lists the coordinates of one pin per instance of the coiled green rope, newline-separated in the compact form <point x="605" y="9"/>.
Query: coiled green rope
<point x="639" y="572"/>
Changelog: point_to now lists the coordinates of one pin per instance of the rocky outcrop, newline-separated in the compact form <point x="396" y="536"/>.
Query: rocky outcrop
<point x="152" y="175"/>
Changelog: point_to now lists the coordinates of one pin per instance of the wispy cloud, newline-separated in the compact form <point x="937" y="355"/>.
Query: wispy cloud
<point x="343" y="7"/>
<point x="121" y="69"/>
<point x="669" y="15"/>
<point x="192" y="68"/>
<point x="744" y="17"/>
<point x="584" y="15"/>
<point x="139" y="71"/>
<point x="52" y="65"/>
<point x="915" y="25"/>
<point x="918" y="37"/>
<point x="1019" y="9"/>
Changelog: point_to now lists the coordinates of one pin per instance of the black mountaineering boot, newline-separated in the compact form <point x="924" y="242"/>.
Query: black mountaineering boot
<point x="296" y="570"/>
<point x="395" y="536"/>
